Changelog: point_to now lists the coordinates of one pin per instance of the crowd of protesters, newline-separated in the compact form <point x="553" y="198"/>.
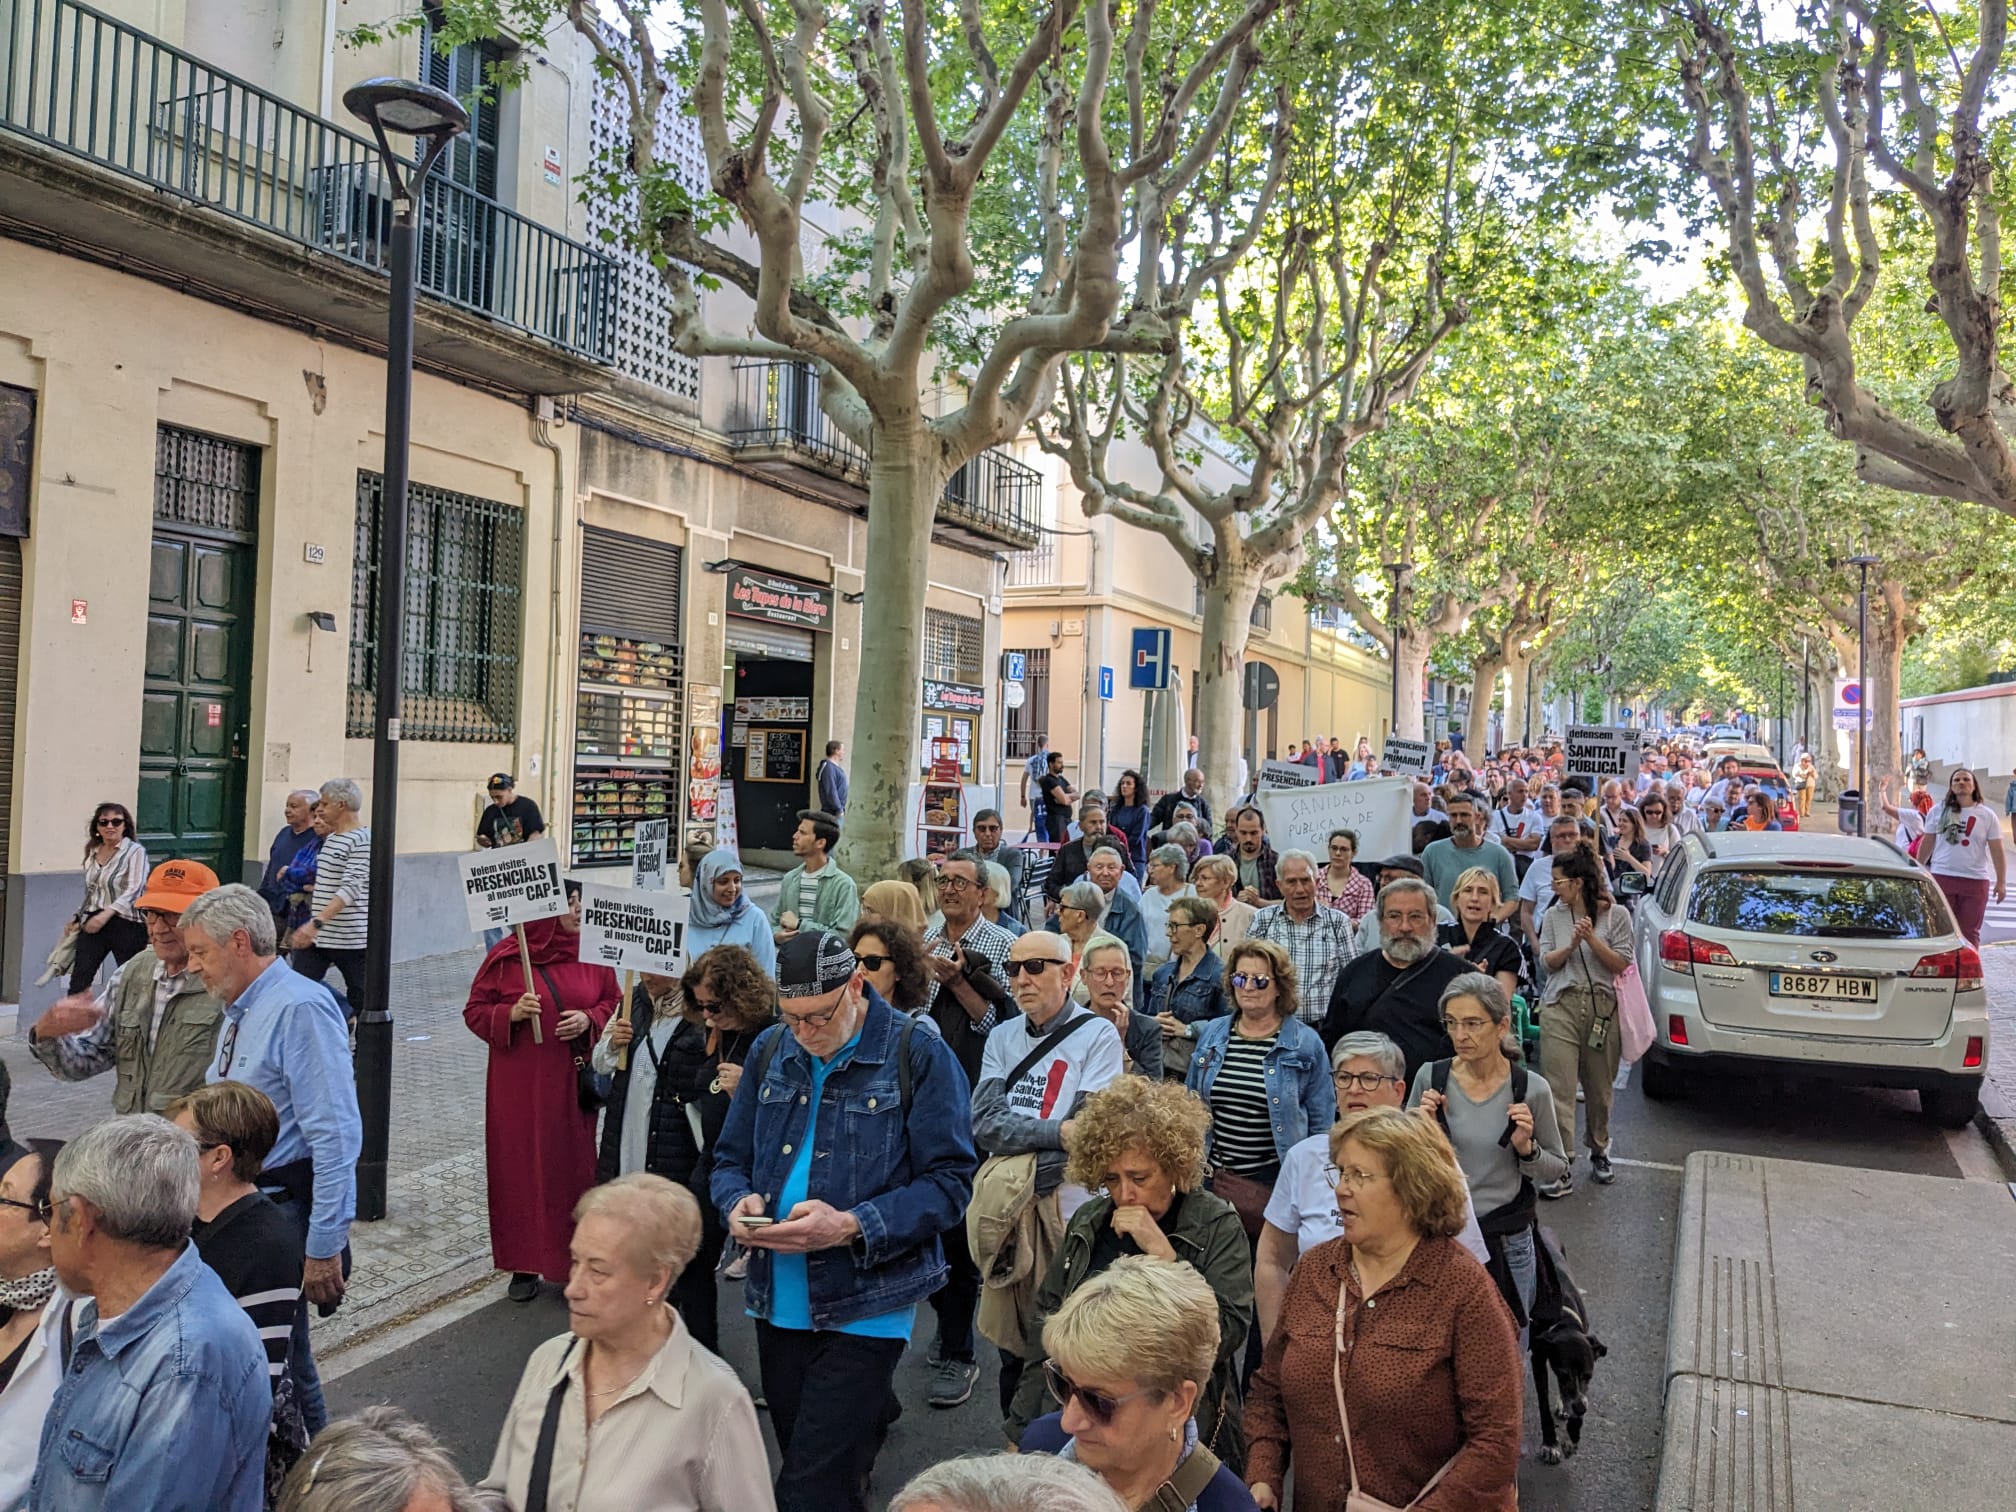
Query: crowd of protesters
<point x="1180" y="1128"/>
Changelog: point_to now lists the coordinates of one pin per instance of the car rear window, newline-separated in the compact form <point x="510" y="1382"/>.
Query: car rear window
<point x="1824" y="902"/>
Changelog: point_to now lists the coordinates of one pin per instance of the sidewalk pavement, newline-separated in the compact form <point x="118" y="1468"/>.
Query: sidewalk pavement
<point x="1803" y="1369"/>
<point x="1997" y="1118"/>
<point x="434" y="1242"/>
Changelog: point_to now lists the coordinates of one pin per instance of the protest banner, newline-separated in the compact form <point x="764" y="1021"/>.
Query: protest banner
<point x="1286" y="774"/>
<point x="633" y="929"/>
<point x="1600" y="752"/>
<point x="650" y="850"/>
<point x="513" y="887"/>
<point x="1380" y="810"/>
<point x="1412" y="758"/>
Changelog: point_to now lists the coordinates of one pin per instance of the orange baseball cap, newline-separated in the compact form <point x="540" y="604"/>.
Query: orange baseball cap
<point x="174" y="885"/>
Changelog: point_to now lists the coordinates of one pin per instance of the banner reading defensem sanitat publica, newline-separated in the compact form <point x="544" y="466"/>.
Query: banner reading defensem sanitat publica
<point x="1601" y="752"/>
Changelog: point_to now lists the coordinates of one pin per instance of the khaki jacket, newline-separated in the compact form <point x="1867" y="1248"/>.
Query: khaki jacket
<point x="150" y="1077"/>
<point x="1013" y="1233"/>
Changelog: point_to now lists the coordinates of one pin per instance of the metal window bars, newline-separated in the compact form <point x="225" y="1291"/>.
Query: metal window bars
<point x="94" y="87"/>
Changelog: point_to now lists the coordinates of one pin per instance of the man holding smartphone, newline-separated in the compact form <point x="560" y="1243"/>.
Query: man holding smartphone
<point x="848" y="1138"/>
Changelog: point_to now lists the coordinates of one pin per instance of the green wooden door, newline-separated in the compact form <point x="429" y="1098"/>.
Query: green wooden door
<point x="195" y="709"/>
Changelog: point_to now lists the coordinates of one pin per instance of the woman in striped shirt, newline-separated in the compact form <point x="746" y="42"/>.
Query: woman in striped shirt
<point x="340" y="912"/>
<point x="115" y="870"/>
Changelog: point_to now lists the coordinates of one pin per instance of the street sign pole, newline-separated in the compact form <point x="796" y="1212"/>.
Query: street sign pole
<point x="1863" y="563"/>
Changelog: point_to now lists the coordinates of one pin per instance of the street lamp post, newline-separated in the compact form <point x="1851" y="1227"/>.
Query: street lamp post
<point x="435" y="118"/>
<point x="1396" y="612"/>
<point x="1862" y="564"/>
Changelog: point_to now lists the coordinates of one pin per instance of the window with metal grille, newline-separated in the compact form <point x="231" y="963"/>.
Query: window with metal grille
<point x="206" y="482"/>
<point x="1261" y="616"/>
<point x="1029" y="725"/>
<point x="643" y="303"/>
<point x="952" y="647"/>
<point x="464" y="576"/>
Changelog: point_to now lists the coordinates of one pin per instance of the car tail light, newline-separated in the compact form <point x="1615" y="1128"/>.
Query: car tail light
<point x="1676" y="1029"/>
<point x="1962" y="967"/>
<point x="1682" y="952"/>
<point x="1972" y="1060"/>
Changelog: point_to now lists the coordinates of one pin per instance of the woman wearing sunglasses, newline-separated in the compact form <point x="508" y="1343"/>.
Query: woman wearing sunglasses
<point x="891" y="957"/>
<point x="1395" y="1368"/>
<point x="1263" y="1074"/>
<point x="1130" y="1353"/>
<point x="1141" y="1144"/>
<point x="115" y="871"/>
<point x="31" y="1304"/>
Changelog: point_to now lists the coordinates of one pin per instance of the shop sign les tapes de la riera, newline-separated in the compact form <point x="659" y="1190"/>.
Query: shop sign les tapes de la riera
<point x="779" y="600"/>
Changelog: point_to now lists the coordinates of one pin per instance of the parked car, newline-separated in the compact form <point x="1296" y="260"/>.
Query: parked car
<point x="1828" y="956"/>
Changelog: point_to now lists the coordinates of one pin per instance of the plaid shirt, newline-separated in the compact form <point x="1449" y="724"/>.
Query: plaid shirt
<point x="1319" y="946"/>
<point x="990" y="942"/>
<point x="1269" y="888"/>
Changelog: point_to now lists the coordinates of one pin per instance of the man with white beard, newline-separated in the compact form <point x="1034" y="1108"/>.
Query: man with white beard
<point x="1396" y="990"/>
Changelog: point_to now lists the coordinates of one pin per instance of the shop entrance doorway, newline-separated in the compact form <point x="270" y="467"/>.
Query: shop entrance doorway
<point x="769" y="745"/>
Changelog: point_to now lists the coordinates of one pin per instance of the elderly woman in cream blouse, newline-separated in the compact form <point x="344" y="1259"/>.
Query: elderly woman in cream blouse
<point x="644" y="1416"/>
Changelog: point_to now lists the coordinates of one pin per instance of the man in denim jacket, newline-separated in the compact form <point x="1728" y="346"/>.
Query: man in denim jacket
<point x="862" y="1173"/>
<point x="164" y="1403"/>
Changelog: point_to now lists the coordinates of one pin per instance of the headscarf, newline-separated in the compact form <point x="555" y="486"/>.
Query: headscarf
<point x="702" y="912"/>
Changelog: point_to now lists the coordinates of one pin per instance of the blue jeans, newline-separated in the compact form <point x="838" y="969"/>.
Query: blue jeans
<point x="1525" y="1273"/>
<point x="300" y="1357"/>
<point x="492" y="936"/>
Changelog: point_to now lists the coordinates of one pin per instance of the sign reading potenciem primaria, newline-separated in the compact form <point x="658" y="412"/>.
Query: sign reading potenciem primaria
<point x="512" y="886"/>
<point x="1601" y="752"/>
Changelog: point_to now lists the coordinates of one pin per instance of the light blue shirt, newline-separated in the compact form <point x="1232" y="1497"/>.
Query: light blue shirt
<point x="165" y="1407"/>
<point x="790" y="1276"/>
<point x="286" y="1036"/>
<point x="752" y="931"/>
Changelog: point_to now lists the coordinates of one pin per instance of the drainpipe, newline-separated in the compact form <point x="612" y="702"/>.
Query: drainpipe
<point x="543" y="414"/>
<point x="325" y="96"/>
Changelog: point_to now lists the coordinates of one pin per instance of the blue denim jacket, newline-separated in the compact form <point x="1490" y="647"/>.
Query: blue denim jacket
<point x="1301" y="1098"/>
<point x="906" y="1178"/>
<point x="165" y="1407"/>
<point x="1194" y="998"/>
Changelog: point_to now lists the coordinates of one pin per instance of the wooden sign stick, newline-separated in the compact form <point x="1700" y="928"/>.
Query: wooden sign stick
<point x="623" y="1014"/>
<point x="525" y="960"/>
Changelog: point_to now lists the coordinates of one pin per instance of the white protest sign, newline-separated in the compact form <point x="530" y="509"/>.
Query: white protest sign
<point x="1381" y="810"/>
<point x="649" y="852"/>
<point x="1286" y="774"/>
<point x="632" y="929"/>
<point x="1414" y="758"/>
<point x="1601" y="752"/>
<point x="512" y="886"/>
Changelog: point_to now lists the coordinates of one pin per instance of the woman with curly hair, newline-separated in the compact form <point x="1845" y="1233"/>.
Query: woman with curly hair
<point x="891" y="957"/>
<point x="1142" y="1142"/>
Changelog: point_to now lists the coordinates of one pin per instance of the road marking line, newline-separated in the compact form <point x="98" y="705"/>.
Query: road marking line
<point x="1645" y="1165"/>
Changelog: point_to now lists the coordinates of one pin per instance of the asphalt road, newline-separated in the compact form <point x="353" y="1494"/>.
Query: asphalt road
<point x="1619" y="1242"/>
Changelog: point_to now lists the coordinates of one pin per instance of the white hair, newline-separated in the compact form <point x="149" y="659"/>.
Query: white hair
<point x="139" y="1172"/>
<point x="223" y="911"/>
<point x="376" y="1461"/>
<point x="1373" y="1046"/>
<point x="1104" y="941"/>
<point x="1007" y="1483"/>
<point x="344" y="793"/>
<point x="1000" y="886"/>
<point x="1296" y="855"/>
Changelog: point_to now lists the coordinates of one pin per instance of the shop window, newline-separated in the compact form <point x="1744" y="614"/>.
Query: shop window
<point x="952" y="647"/>
<point x="464" y="584"/>
<point x="1028" y="726"/>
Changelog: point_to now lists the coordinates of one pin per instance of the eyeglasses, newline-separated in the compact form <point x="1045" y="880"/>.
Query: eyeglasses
<point x="956" y="884"/>
<point x="1350" y="1177"/>
<point x="1034" y="966"/>
<point x="703" y="1005"/>
<point x="1098" y="1404"/>
<point x="1364" y="1081"/>
<point x="1255" y="980"/>
<point x="226" y="1048"/>
<point x="873" y="962"/>
<point x="1110" y="974"/>
<point x="39" y="1211"/>
<point x="817" y="1020"/>
<point x="1468" y="1025"/>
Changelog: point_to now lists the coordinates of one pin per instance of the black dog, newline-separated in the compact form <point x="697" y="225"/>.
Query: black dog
<point x="1560" y="1343"/>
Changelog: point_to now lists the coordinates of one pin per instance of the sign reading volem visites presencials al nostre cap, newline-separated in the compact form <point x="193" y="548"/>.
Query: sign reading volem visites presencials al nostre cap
<point x="515" y="885"/>
<point x="1286" y="774"/>
<point x="1601" y="752"/>
<point x="633" y="930"/>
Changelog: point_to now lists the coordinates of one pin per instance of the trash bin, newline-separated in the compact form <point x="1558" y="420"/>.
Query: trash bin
<point x="1851" y="811"/>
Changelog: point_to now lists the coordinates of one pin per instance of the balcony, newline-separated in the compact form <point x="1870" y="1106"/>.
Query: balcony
<point x="991" y="501"/>
<point x="220" y="185"/>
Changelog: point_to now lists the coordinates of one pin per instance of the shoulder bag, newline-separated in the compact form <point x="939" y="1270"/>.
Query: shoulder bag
<point x="1355" y="1500"/>
<point x="588" y="1090"/>
<point x="539" y="1483"/>
<point x="1179" y="1493"/>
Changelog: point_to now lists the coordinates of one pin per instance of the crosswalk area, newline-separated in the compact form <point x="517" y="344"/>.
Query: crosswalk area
<point x="1999" y="923"/>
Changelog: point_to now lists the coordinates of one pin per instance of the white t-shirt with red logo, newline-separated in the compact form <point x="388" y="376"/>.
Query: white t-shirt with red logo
<point x="1962" y="840"/>
<point x="1049" y="1091"/>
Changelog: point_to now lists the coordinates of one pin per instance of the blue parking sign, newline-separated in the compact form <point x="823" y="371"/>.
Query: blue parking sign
<point x="1149" y="667"/>
<point x="1014" y="666"/>
<point x="1106" y="684"/>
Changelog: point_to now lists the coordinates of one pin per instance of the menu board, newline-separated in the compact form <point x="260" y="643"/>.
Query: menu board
<point x="774" y="755"/>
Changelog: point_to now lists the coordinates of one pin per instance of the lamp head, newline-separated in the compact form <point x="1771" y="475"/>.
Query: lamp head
<point x="408" y="108"/>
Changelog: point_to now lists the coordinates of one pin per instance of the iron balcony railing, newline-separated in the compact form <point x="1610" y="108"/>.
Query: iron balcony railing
<point x="777" y="406"/>
<point x="86" y="84"/>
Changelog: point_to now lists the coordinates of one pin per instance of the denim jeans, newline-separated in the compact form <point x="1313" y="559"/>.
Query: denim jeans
<point x="492" y="936"/>
<point x="831" y="1403"/>
<point x="1525" y="1272"/>
<point x="300" y="1357"/>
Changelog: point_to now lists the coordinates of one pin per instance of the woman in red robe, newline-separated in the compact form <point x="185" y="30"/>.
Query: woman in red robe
<point x="540" y="1145"/>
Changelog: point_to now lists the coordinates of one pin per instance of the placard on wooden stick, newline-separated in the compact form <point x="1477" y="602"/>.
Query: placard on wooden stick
<point x="510" y="888"/>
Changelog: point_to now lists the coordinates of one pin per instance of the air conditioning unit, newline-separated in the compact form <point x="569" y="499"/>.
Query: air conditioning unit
<point x="351" y="211"/>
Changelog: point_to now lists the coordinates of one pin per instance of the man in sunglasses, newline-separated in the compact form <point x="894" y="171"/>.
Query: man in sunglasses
<point x="1035" y="1073"/>
<point x="156" y="1024"/>
<point x="847" y="1138"/>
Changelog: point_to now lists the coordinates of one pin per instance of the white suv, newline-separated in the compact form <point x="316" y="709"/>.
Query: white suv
<point x="1823" y="955"/>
